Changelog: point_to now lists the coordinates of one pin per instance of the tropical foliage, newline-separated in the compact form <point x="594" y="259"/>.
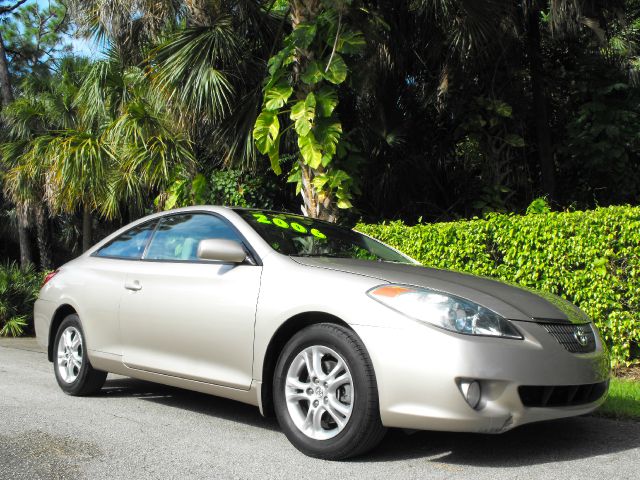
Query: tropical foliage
<point x="344" y="109"/>
<point x="302" y="82"/>
<point x="18" y="290"/>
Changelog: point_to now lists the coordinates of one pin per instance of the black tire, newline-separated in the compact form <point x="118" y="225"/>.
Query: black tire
<point x="88" y="379"/>
<point x="363" y="429"/>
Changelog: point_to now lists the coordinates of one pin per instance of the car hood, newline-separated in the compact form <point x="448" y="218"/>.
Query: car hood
<point x="510" y="301"/>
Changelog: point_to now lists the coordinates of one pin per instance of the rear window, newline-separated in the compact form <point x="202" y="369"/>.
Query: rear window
<point x="130" y="244"/>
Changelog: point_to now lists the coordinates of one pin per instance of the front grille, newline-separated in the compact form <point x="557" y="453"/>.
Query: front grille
<point x="561" y="395"/>
<point x="570" y="336"/>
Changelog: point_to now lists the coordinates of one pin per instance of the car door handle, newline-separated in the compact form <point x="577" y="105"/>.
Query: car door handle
<point x="133" y="285"/>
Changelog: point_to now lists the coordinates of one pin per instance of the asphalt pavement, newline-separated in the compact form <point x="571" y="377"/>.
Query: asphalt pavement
<point x="139" y="430"/>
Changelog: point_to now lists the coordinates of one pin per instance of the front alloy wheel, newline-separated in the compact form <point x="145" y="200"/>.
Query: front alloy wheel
<point x="325" y="393"/>
<point x="319" y="392"/>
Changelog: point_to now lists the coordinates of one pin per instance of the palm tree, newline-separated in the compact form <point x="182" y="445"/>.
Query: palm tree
<point x="44" y="106"/>
<point x="80" y="164"/>
<point x="94" y="137"/>
<point x="149" y="146"/>
<point x="24" y="184"/>
<point x="124" y="146"/>
<point x="27" y="118"/>
<point x="209" y="74"/>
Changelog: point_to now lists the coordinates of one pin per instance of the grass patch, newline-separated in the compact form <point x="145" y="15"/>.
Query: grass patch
<point x="623" y="401"/>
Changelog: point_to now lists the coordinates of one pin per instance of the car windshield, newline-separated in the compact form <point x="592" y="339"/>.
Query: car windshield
<point x="299" y="236"/>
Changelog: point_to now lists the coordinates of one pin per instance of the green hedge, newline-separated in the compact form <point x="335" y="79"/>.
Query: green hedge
<point x="590" y="258"/>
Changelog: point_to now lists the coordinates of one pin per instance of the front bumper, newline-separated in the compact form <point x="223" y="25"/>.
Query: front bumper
<point x="418" y="370"/>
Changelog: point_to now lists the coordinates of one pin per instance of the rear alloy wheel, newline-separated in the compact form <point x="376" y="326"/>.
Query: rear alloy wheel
<point x="325" y="394"/>
<point x="72" y="368"/>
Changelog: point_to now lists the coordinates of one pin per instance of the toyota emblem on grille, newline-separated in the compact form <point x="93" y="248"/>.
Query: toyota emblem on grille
<point x="581" y="336"/>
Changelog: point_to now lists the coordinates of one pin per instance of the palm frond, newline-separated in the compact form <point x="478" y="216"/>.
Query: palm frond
<point x="24" y="182"/>
<point x="194" y="66"/>
<point x="80" y="166"/>
<point x="474" y="25"/>
<point x="126" y="24"/>
<point x="14" y="326"/>
<point x="234" y="135"/>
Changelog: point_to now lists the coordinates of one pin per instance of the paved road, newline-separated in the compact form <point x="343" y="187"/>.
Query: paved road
<point x="139" y="430"/>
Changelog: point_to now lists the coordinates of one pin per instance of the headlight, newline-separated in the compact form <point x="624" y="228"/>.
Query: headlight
<point x="444" y="311"/>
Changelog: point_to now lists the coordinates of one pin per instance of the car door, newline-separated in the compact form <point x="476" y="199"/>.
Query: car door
<point x="189" y="318"/>
<point x="98" y="287"/>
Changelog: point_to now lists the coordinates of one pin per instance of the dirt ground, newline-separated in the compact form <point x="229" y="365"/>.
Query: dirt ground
<point x="630" y="373"/>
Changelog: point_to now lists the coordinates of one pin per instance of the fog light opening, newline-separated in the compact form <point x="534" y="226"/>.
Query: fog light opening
<point x="471" y="392"/>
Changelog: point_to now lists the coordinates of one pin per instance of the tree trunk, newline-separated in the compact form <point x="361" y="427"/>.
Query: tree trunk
<point x="43" y="236"/>
<point x="5" y="80"/>
<point x="543" y="131"/>
<point x="7" y="97"/>
<point x="313" y="205"/>
<point x="23" y="237"/>
<point x="86" y="228"/>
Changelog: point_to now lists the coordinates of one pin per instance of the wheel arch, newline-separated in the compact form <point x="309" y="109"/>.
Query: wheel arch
<point x="279" y="339"/>
<point x="60" y="314"/>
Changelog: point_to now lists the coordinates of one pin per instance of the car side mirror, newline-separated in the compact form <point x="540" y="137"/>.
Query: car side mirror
<point x="228" y="251"/>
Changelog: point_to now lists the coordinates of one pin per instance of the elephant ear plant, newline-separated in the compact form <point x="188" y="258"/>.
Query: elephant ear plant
<point x="301" y="94"/>
<point x="18" y="290"/>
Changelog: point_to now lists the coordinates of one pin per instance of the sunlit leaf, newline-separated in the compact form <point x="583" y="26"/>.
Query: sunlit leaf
<point x="310" y="150"/>
<point x="337" y="71"/>
<point x="266" y="130"/>
<point x="276" y="96"/>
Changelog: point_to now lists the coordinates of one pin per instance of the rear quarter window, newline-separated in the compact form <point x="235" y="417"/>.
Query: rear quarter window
<point x="131" y="244"/>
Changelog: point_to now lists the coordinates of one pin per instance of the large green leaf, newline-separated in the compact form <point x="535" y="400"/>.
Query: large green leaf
<point x="503" y="109"/>
<point x="344" y="203"/>
<point x="276" y="96"/>
<point x="338" y="177"/>
<point x="337" y="71"/>
<point x="326" y="99"/>
<point x="310" y="150"/>
<point x="296" y="177"/>
<point x="171" y="201"/>
<point x="350" y="41"/>
<point x="274" y="155"/>
<point x="303" y="35"/>
<point x="266" y="131"/>
<point x="328" y="132"/>
<point x="282" y="58"/>
<point x="312" y="74"/>
<point x="514" y="140"/>
<point x="319" y="181"/>
<point x="199" y="188"/>
<point x="303" y="113"/>
<point x="304" y="108"/>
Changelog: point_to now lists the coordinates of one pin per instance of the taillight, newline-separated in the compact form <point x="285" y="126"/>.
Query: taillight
<point x="48" y="277"/>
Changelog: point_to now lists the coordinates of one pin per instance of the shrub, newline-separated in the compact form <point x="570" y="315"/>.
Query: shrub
<point x="18" y="290"/>
<point x="241" y="189"/>
<point x="590" y="258"/>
